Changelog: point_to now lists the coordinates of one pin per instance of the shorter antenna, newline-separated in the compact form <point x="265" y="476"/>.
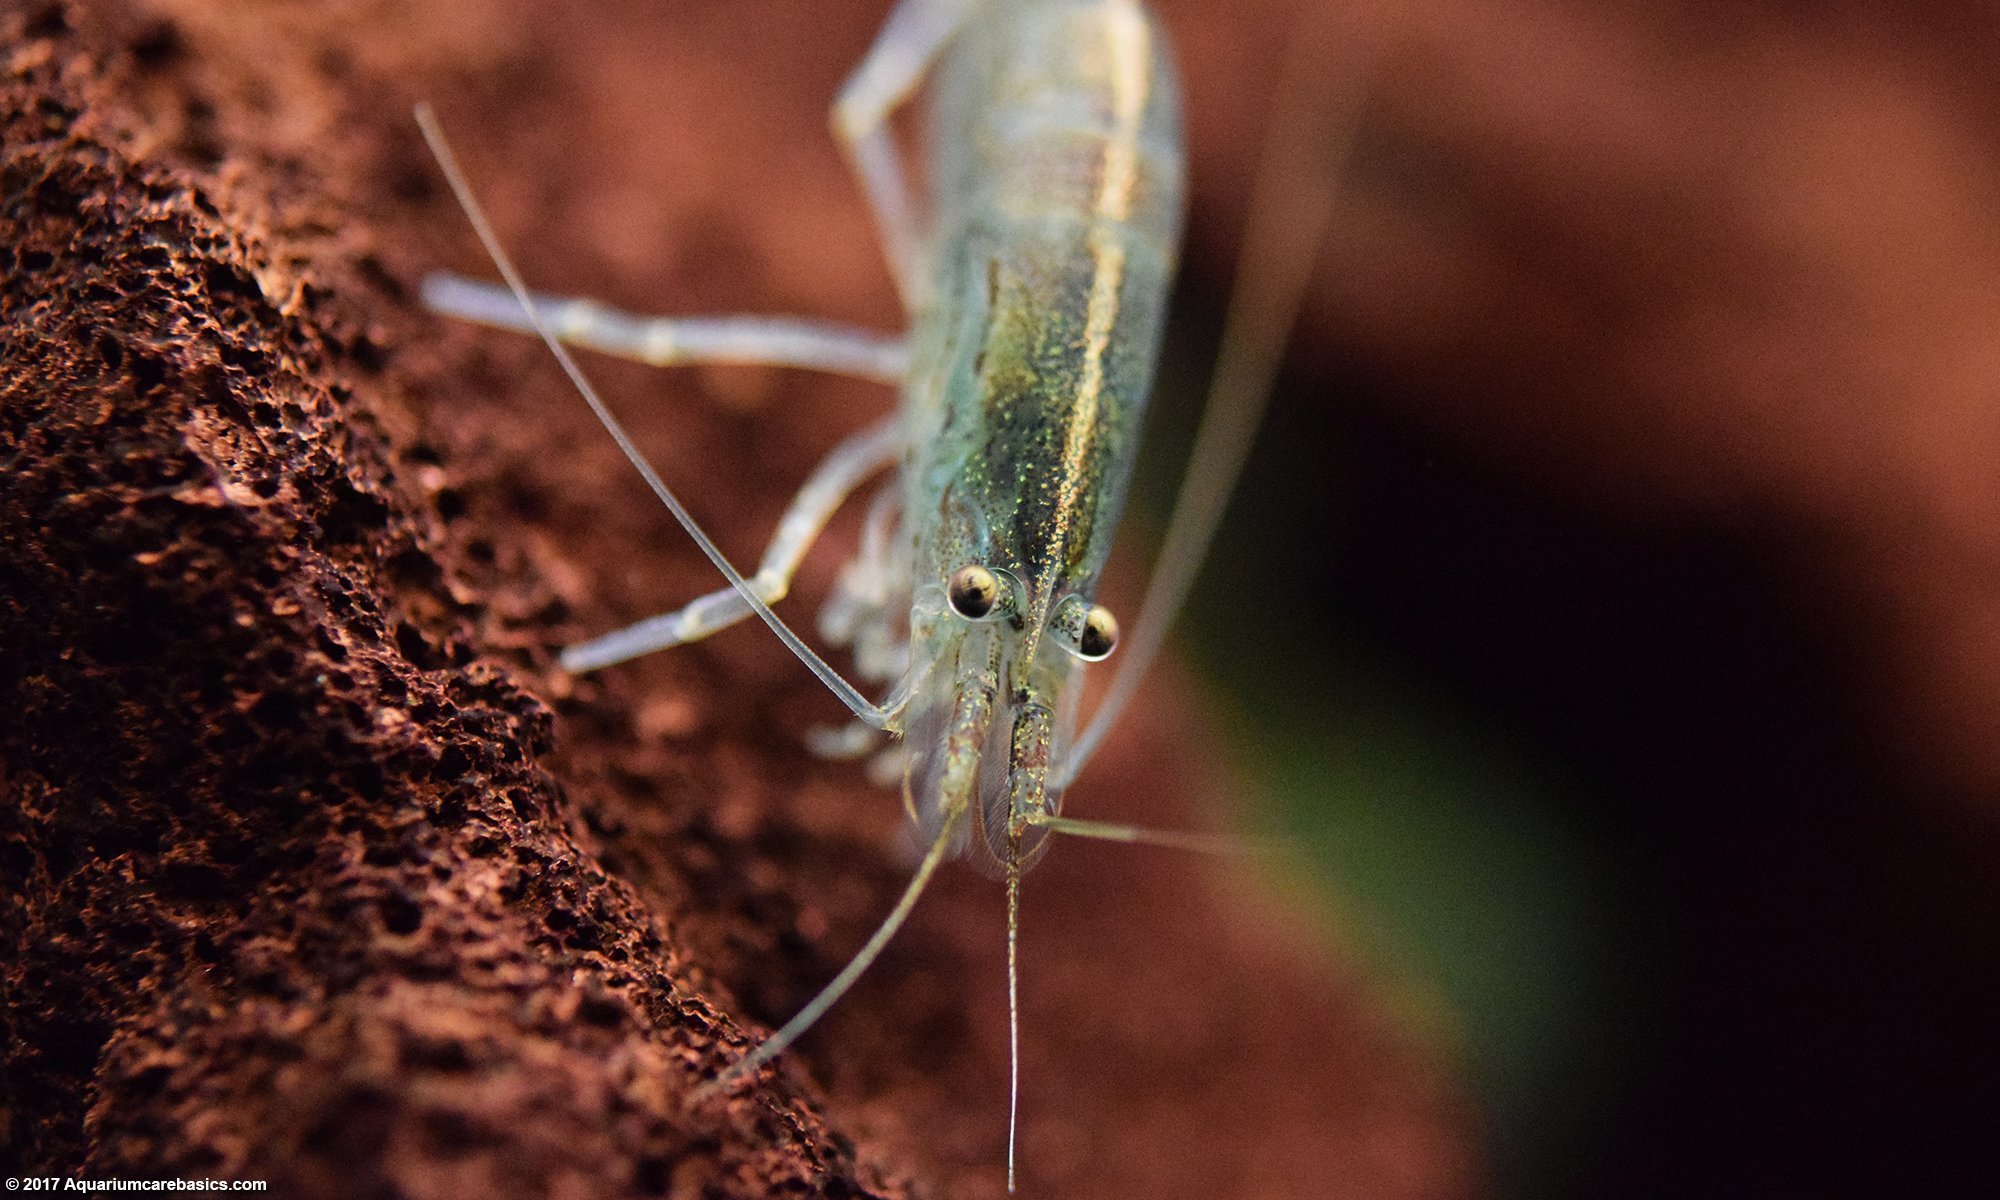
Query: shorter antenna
<point x="860" y="705"/>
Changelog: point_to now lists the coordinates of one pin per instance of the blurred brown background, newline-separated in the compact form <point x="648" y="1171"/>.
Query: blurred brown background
<point x="1639" y="481"/>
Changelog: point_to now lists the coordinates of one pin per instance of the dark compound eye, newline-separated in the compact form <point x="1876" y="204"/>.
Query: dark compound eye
<point x="973" y="592"/>
<point x="1100" y="634"/>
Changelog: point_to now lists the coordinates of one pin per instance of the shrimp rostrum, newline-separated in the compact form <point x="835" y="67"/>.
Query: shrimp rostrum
<point x="1035" y="274"/>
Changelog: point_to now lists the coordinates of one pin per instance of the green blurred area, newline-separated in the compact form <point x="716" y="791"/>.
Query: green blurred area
<point x="1433" y="847"/>
<point x="1432" y="851"/>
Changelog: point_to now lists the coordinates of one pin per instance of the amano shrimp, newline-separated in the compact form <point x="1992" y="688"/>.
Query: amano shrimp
<point x="1034" y="275"/>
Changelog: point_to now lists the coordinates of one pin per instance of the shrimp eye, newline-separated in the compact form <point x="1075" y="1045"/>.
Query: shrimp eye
<point x="1099" y="636"/>
<point x="973" y="592"/>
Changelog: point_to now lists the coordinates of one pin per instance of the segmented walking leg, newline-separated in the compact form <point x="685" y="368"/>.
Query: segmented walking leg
<point x="894" y="68"/>
<point x="851" y="462"/>
<point x="676" y="341"/>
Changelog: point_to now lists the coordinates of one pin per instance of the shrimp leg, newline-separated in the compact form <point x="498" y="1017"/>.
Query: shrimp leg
<point x="830" y="484"/>
<point x="676" y="341"/>
<point x="893" y="69"/>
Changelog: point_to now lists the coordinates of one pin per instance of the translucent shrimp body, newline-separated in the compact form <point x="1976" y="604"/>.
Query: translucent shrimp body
<point x="1035" y="275"/>
<point x="1057" y="211"/>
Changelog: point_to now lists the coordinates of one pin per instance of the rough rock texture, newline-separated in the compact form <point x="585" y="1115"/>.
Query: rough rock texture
<point x="304" y="878"/>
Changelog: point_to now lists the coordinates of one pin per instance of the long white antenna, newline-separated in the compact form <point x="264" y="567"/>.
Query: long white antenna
<point x="861" y="706"/>
<point x="1290" y="207"/>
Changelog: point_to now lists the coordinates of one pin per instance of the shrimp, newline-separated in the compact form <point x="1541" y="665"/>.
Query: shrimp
<point x="1035" y="277"/>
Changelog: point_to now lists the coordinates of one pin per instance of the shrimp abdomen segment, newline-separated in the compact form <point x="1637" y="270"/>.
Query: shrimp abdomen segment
<point x="1060" y="108"/>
